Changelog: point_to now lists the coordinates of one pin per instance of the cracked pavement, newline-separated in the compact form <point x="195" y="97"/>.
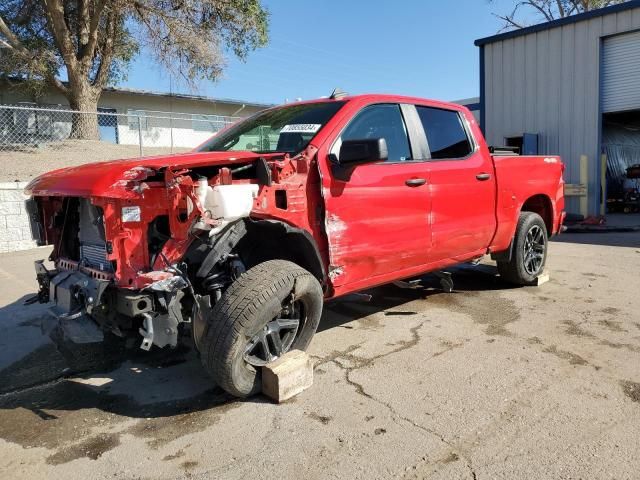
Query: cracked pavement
<point x="486" y="382"/>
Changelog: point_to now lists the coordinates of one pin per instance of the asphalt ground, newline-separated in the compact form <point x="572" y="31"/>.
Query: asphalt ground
<point x="489" y="381"/>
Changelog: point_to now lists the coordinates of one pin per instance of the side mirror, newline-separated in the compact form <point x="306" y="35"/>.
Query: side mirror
<point x="356" y="152"/>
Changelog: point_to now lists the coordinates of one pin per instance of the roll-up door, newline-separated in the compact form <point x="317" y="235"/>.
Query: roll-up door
<point x="621" y="73"/>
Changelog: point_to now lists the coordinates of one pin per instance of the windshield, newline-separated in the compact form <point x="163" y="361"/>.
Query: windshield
<point x="284" y="130"/>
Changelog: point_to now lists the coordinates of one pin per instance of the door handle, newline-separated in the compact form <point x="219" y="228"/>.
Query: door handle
<point x="415" y="182"/>
<point x="483" y="176"/>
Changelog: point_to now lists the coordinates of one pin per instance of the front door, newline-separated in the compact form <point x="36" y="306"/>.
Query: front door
<point x="377" y="221"/>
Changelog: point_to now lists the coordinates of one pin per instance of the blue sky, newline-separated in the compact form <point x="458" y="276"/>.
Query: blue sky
<point x="410" y="47"/>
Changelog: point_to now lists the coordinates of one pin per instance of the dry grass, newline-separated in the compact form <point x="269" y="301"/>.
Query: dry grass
<point x="28" y="163"/>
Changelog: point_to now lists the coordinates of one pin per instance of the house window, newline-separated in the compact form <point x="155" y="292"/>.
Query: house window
<point x="208" y="123"/>
<point x="137" y="119"/>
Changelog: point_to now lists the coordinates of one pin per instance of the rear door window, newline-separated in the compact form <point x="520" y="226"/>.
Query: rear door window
<point x="445" y="132"/>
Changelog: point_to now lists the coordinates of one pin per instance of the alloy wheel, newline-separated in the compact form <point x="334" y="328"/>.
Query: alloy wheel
<point x="276" y="337"/>
<point x="534" y="250"/>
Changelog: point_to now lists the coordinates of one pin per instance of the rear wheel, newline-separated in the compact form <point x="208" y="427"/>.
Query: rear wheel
<point x="272" y="308"/>
<point x="529" y="253"/>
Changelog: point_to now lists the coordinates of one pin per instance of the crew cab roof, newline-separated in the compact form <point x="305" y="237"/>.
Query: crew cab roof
<point x="383" y="98"/>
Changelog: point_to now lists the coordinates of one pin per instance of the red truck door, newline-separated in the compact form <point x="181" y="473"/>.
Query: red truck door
<point x="462" y="186"/>
<point x="377" y="221"/>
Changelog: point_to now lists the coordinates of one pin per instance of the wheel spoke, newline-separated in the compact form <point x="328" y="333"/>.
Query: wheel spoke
<point x="250" y="347"/>
<point x="265" y="347"/>
<point x="276" y="342"/>
<point x="537" y="236"/>
<point x="528" y="266"/>
<point x="286" y="323"/>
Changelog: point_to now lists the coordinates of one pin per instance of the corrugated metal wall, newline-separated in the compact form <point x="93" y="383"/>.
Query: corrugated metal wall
<point x="548" y="83"/>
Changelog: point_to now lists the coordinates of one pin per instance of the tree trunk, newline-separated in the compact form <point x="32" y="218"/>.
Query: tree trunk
<point x="84" y="125"/>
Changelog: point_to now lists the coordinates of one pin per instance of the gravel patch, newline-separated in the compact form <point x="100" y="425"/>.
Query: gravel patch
<point x="24" y="164"/>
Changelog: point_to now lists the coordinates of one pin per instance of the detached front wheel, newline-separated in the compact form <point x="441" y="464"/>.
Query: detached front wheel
<point x="272" y="308"/>
<point x="529" y="253"/>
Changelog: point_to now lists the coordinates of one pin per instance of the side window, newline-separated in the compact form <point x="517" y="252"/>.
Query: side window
<point x="137" y="117"/>
<point x="446" y="134"/>
<point x="381" y="121"/>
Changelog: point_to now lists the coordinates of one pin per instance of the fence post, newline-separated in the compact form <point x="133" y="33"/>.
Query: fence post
<point x="171" y="131"/>
<point x="140" y="134"/>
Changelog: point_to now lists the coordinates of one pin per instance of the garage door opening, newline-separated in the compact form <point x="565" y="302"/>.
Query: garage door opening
<point x="621" y="144"/>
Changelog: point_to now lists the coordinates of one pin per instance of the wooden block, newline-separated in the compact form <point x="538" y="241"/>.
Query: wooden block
<point x="542" y="278"/>
<point x="287" y="376"/>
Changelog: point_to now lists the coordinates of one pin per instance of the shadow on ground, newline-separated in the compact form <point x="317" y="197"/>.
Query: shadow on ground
<point x="611" y="239"/>
<point x="389" y="298"/>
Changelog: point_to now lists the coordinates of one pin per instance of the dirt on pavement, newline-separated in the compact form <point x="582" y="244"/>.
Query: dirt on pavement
<point x="489" y="381"/>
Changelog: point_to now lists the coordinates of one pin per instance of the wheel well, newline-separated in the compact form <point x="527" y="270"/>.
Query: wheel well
<point x="541" y="204"/>
<point x="273" y="240"/>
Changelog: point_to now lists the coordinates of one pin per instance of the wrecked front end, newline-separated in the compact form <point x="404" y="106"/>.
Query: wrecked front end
<point x="148" y="256"/>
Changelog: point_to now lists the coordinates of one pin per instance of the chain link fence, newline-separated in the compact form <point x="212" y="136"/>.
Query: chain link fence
<point x="23" y="128"/>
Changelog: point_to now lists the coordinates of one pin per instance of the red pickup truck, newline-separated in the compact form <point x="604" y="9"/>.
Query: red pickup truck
<point x="237" y="243"/>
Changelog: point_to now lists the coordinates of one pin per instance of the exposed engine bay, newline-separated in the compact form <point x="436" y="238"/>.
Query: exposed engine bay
<point x="151" y="258"/>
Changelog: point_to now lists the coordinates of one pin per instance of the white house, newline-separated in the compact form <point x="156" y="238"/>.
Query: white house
<point x="126" y="116"/>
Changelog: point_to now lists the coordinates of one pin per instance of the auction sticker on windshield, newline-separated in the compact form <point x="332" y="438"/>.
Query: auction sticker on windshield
<point x="301" y="128"/>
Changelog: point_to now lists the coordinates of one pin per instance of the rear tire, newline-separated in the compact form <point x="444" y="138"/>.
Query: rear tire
<point x="257" y="313"/>
<point x="529" y="252"/>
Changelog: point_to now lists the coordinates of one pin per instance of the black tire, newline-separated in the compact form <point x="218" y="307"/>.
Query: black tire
<point x="520" y="269"/>
<point x="249" y="304"/>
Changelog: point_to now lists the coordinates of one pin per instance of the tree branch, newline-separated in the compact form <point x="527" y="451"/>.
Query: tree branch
<point x="83" y="23"/>
<point x="547" y="15"/>
<point x="57" y="84"/>
<point x="12" y="41"/>
<point x="106" y="56"/>
<point x="88" y="49"/>
<point x="510" y="20"/>
<point x="55" y="13"/>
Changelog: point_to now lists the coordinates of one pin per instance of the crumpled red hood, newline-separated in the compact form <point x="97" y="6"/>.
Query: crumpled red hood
<point x="108" y="179"/>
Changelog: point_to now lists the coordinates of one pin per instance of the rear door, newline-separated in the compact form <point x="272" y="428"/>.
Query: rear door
<point x="377" y="221"/>
<point x="462" y="186"/>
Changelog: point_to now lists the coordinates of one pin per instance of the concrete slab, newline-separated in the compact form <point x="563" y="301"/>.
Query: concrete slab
<point x="489" y="381"/>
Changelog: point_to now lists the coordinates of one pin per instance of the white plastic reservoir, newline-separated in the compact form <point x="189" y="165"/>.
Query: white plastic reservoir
<point x="230" y="202"/>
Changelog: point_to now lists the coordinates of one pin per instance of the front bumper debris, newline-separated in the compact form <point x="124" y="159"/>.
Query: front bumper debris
<point x="81" y="312"/>
<point x="75" y="296"/>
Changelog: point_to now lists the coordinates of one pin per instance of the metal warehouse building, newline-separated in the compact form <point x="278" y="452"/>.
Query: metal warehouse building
<point x="569" y="87"/>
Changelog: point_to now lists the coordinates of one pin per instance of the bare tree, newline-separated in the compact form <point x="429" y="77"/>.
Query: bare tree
<point x="548" y="10"/>
<point x="93" y="42"/>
